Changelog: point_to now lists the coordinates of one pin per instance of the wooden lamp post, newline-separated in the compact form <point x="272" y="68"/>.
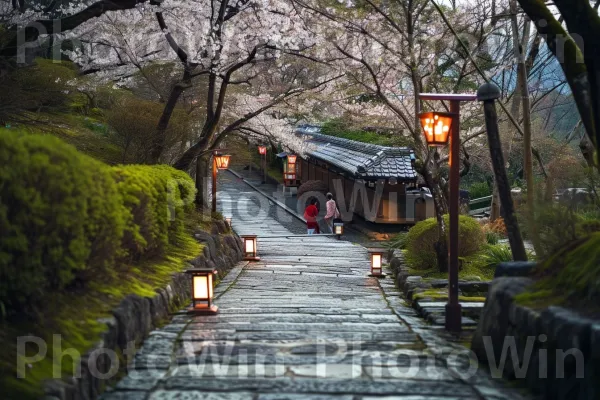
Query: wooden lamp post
<point x="219" y="162"/>
<point x="439" y="128"/>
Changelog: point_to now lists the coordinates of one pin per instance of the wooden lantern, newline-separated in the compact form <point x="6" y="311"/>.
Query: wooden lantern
<point x="436" y="127"/>
<point x="250" y="248"/>
<point x="202" y="291"/>
<point x="376" y="258"/>
<point x="222" y="161"/>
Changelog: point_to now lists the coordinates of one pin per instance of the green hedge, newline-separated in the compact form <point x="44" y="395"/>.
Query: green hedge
<point x="420" y="240"/>
<point x="66" y="218"/>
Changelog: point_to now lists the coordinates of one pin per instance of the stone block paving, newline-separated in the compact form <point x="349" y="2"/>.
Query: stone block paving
<point x="306" y="322"/>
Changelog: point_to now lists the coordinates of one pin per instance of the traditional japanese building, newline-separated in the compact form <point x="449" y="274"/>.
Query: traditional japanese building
<point x="377" y="183"/>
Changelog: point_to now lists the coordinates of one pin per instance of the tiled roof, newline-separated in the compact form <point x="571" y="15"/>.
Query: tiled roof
<point x="362" y="160"/>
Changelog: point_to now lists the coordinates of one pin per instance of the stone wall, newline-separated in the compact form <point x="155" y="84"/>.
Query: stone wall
<point x="430" y="307"/>
<point x="135" y="317"/>
<point x="557" y="351"/>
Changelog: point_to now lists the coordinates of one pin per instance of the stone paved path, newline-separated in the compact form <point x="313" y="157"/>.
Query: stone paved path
<point x="303" y="323"/>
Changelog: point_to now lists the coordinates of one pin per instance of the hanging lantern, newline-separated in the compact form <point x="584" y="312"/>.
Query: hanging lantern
<point x="228" y="221"/>
<point x="289" y="171"/>
<point x="202" y="291"/>
<point x="436" y="127"/>
<point x="262" y="150"/>
<point x="222" y="161"/>
<point x="376" y="256"/>
<point x="250" y="253"/>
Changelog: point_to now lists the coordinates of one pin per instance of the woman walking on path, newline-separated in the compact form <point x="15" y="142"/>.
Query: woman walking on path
<point x="310" y="215"/>
<point x="332" y="212"/>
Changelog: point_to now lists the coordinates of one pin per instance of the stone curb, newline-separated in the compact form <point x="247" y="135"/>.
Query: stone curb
<point x="135" y="317"/>
<point x="428" y="309"/>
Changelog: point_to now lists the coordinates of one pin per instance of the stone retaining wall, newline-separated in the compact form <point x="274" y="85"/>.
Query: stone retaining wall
<point x="135" y="317"/>
<point x="431" y="308"/>
<point x="558" y="350"/>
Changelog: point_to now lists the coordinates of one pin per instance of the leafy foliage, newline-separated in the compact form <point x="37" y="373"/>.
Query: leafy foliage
<point x="479" y="189"/>
<point x="558" y="224"/>
<point x="43" y="86"/>
<point x="342" y="129"/>
<point x="420" y="251"/>
<point x="65" y="217"/>
<point x="134" y="124"/>
<point x="571" y="274"/>
<point x="493" y="255"/>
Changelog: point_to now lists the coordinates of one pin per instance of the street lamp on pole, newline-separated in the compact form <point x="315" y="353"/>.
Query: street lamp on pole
<point x="437" y="132"/>
<point x="220" y="161"/>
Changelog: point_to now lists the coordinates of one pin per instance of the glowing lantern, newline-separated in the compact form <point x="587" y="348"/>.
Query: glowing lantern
<point x="436" y="127"/>
<point x="221" y="161"/>
<point x="250" y="248"/>
<point x="262" y="150"/>
<point x="289" y="171"/>
<point x="202" y="291"/>
<point x="338" y="228"/>
<point x="376" y="256"/>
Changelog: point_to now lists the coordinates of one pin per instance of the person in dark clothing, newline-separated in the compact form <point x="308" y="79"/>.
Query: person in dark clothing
<point x="310" y="215"/>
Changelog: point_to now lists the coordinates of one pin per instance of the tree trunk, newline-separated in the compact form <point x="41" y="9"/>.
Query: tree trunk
<point x="495" y="209"/>
<point x="158" y="145"/>
<point x="202" y="181"/>
<point x="512" y="227"/>
<point x="524" y="91"/>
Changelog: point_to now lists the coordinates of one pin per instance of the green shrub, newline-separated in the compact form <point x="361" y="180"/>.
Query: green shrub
<point x="571" y="274"/>
<point x="420" y="251"/>
<point x="479" y="189"/>
<point x="157" y="198"/>
<point x="66" y="218"/>
<point x="493" y="255"/>
<point x="492" y="238"/>
<point x="558" y="224"/>
<point x="60" y="217"/>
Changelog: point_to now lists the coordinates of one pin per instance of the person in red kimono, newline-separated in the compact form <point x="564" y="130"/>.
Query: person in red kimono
<point x="310" y="215"/>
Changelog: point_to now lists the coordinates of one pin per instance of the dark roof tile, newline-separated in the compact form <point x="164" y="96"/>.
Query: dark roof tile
<point x="362" y="160"/>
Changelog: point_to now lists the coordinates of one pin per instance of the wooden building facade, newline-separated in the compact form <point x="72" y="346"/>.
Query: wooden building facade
<point x="375" y="182"/>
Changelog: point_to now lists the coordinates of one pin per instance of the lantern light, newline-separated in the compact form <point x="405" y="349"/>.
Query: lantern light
<point x="376" y="256"/>
<point x="338" y="228"/>
<point x="250" y="253"/>
<point x="222" y="161"/>
<point x="262" y="150"/>
<point x="202" y="291"/>
<point x="292" y="158"/>
<point x="436" y="127"/>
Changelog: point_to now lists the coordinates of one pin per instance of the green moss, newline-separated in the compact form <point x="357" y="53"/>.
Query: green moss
<point x="442" y="294"/>
<point x="570" y="277"/>
<point x="76" y="237"/>
<point x="77" y="130"/>
<point x="420" y="241"/>
<point x="341" y="128"/>
<point x="79" y="326"/>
